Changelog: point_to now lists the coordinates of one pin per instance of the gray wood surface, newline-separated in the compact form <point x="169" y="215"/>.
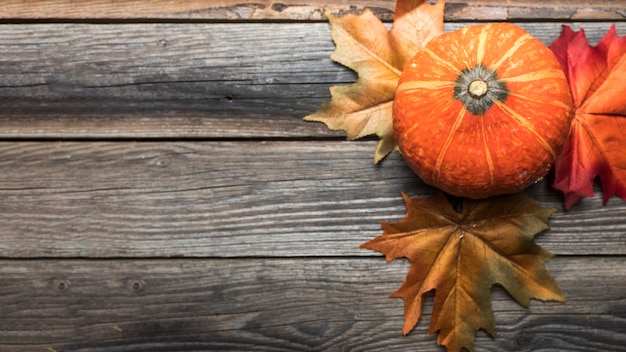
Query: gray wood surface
<point x="176" y="80"/>
<point x="231" y="199"/>
<point x="159" y="190"/>
<point x="280" y="305"/>
<point x="311" y="10"/>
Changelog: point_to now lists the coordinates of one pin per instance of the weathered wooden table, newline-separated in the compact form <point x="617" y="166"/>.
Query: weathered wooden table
<point x="160" y="192"/>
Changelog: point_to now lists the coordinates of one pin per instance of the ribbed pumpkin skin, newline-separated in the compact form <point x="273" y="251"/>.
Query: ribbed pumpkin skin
<point x="495" y="148"/>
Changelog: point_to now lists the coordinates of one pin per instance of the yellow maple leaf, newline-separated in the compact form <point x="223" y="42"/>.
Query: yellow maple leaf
<point x="461" y="255"/>
<point x="378" y="55"/>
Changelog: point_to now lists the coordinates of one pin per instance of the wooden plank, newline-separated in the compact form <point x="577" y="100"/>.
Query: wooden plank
<point x="175" y="80"/>
<point x="236" y="10"/>
<point x="280" y="305"/>
<point x="231" y="199"/>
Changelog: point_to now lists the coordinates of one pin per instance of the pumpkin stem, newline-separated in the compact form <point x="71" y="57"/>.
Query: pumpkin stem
<point x="478" y="88"/>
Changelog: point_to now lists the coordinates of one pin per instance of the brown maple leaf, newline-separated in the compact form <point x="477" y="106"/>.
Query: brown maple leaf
<point x="597" y="139"/>
<point x="378" y="55"/>
<point x="461" y="255"/>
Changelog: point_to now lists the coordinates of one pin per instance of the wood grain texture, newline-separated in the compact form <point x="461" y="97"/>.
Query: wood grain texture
<point x="188" y="142"/>
<point x="231" y="199"/>
<point x="176" y="80"/>
<point x="280" y="305"/>
<point x="236" y="10"/>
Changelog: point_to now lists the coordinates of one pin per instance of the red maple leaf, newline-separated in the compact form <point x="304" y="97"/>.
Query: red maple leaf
<point x="596" y="146"/>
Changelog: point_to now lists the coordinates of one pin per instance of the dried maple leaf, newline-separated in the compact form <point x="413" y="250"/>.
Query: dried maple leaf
<point x="378" y="55"/>
<point x="597" y="142"/>
<point x="461" y="255"/>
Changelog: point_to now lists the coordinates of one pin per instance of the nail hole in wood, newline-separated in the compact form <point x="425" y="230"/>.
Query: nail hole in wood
<point x="63" y="285"/>
<point x="137" y="285"/>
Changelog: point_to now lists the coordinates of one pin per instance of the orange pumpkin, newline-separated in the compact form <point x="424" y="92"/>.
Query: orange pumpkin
<point x="482" y="111"/>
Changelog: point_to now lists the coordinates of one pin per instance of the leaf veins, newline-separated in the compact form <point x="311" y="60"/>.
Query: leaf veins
<point x="378" y="55"/>
<point x="597" y="139"/>
<point x="461" y="255"/>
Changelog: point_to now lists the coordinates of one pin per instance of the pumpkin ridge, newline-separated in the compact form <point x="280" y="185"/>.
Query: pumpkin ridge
<point x="482" y="44"/>
<point x="405" y="135"/>
<point x="482" y="111"/>
<point x="417" y="85"/>
<point x="509" y="53"/>
<point x="555" y="103"/>
<point x="488" y="157"/>
<point x="547" y="73"/>
<point x="446" y="145"/>
<point x="528" y="126"/>
<point x="455" y="70"/>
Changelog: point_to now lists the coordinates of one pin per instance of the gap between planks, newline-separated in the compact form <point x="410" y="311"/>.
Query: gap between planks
<point x="317" y="304"/>
<point x="208" y="81"/>
<point x="232" y="199"/>
<point x="295" y="10"/>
